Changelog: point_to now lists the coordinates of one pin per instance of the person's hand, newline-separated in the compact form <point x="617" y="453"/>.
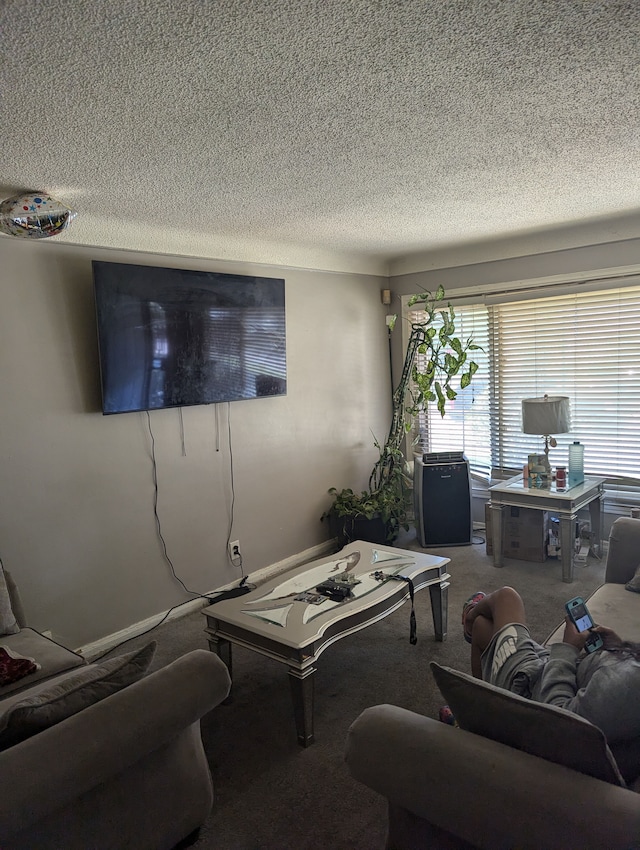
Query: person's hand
<point x="578" y="639"/>
<point x="572" y="636"/>
<point x="609" y="637"/>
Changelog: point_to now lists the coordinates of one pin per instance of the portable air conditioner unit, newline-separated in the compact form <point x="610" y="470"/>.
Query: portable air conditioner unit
<point x="442" y="499"/>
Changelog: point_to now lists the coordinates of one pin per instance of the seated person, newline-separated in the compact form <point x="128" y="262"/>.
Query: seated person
<point x="601" y="686"/>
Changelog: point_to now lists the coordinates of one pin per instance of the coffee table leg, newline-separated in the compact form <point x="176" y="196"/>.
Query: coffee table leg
<point x="222" y="649"/>
<point x="440" y="608"/>
<point x="302" y="689"/>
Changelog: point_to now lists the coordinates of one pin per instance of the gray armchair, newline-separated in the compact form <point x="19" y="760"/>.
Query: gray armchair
<point x="449" y="788"/>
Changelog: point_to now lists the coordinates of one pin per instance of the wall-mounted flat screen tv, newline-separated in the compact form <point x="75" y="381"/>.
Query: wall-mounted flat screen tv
<point x="174" y="337"/>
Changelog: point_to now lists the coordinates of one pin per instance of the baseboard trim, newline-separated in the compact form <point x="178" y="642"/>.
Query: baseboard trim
<point x="273" y="570"/>
<point x="105" y="644"/>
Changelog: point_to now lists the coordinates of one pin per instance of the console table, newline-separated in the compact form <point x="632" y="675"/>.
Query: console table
<point x="564" y="504"/>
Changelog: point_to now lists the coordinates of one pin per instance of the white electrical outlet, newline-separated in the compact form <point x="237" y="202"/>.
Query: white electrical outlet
<point x="234" y="550"/>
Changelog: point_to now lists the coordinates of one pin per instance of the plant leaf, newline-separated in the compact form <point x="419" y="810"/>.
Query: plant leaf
<point x="452" y="364"/>
<point x="440" y="396"/>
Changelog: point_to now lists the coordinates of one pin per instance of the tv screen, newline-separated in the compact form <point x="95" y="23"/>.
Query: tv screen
<point x="174" y="337"/>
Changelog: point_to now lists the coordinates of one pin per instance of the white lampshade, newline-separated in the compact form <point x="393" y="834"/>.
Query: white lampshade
<point x="548" y="415"/>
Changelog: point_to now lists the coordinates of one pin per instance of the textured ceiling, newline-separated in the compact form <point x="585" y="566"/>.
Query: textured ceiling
<point x="326" y="133"/>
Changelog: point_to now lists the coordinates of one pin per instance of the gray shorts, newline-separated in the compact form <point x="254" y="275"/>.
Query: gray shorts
<point x="513" y="660"/>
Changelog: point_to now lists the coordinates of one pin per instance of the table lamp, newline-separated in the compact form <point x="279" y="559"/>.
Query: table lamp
<point x="546" y="416"/>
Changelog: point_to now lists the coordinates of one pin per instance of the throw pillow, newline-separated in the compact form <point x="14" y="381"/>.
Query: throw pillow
<point x="542" y="730"/>
<point x="25" y="718"/>
<point x="14" y="666"/>
<point x="634" y="583"/>
<point x="8" y="623"/>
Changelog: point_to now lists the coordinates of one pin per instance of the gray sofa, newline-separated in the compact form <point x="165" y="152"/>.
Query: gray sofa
<point x="451" y="788"/>
<point x="126" y="769"/>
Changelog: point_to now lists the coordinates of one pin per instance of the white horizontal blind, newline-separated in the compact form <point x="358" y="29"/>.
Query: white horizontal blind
<point x="585" y="345"/>
<point x="466" y="424"/>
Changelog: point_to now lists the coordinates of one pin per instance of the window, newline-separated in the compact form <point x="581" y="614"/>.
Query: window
<point x="582" y="344"/>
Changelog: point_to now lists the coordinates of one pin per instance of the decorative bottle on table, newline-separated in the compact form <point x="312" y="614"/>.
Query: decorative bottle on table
<point x="576" y="463"/>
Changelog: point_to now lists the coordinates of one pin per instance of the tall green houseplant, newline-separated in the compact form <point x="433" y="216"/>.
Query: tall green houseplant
<point x="446" y="366"/>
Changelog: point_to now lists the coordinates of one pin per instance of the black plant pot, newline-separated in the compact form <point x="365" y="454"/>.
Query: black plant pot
<point x="373" y="530"/>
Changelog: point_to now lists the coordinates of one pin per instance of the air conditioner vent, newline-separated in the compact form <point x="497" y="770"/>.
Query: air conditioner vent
<point x="443" y="457"/>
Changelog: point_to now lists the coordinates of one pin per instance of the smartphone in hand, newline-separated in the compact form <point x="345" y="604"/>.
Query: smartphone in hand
<point x="583" y="621"/>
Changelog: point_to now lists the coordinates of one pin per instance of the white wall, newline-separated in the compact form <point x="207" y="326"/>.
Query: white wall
<point x="77" y="527"/>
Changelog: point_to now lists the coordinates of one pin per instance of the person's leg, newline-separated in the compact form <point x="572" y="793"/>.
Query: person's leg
<point x="482" y="616"/>
<point x="488" y="616"/>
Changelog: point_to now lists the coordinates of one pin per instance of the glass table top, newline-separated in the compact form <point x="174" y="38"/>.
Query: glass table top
<point x="536" y="484"/>
<point x="348" y="576"/>
<point x="519" y="485"/>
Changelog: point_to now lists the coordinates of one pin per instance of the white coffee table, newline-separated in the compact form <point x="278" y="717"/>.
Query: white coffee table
<point x="288" y="620"/>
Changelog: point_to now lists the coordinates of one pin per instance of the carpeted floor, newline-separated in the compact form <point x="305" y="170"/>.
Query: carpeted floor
<point x="273" y="795"/>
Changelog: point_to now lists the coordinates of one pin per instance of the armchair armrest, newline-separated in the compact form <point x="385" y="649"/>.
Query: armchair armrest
<point x="623" y="556"/>
<point x="53" y="768"/>
<point x="483" y="792"/>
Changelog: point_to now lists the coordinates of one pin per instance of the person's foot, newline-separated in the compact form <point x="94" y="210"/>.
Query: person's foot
<point x="445" y="715"/>
<point x="469" y="605"/>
